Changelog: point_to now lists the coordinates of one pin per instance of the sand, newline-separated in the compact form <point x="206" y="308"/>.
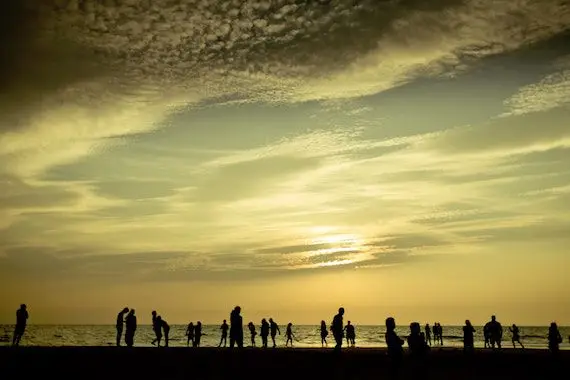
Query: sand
<point x="297" y="363"/>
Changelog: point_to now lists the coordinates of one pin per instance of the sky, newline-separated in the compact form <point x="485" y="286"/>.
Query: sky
<point x="402" y="158"/>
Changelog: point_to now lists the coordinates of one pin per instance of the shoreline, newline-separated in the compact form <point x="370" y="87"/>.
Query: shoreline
<point x="90" y="362"/>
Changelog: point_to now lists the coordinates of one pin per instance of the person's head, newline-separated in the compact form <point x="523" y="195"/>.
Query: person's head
<point x="159" y="319"/>
<point x="270" y="320"/>
<point x="414" y="328"/>
<point x="493" y="318"/>
<point x="132" y="312"/>
<point x="289" y="324"/>
<point x="191" y="324"/>
<point x="224" y="321"/>
<point x="263" y="320"/>
<point x="237" y="309"/>
<point x="427" y="324"/>
<point x="199" y="323"/>
<point x="553" y="325"/>
<point x="23" y="306"/>
<point x="126" y="310"/>
<point x="514" y="325"/>
<point x="341" y="311"/>
<point x="154" y="313"/>
<point x="390" y="323"/>
<point x="467" y="322"/>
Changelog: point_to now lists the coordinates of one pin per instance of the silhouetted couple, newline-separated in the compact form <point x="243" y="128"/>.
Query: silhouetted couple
<point x="160" y="326"/>
<point x="130" y="323"/>
<point x="194" y="334"/>
<point x="493" y="333"/>
<point x="437" y="333"/>
<point x="21" y="322"/>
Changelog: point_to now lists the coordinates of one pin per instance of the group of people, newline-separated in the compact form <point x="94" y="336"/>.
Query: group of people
<point x="418" y="341"/>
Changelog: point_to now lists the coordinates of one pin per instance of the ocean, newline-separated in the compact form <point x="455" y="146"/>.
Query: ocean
<point x="307" y="336"/>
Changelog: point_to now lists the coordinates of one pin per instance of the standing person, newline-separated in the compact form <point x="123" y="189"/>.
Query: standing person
<point x="264" y="332"/>
<point x="274" y="330"/>
<point x="435" y="333"/>
<point x="495" y="332"/>
<point x="487" y="334"/>
<point x="417" y="340"/>
<point x="197" y="334"/>
<point x="468" y="340"/>
<point x="190" y="334"/>
<point x="350" y="334"/>
<point x="393" y="341"/>
<point x="252" y="332"/>
<point x="324" y="334"/>
<point x="337" y="328"/>
<point x="554" y="338"/>
<point x="156" y="329"/>
<point x="289" y="334"/>
<point x="224" y="327"/>
<point x="516" y="335"/>
<point x="440" y="333"/>
<point x="131" y="327"/>
<point x="120" y="323"/>
<point x="428" y="334"/>
<point x="21" y="322"/>
<point x="236" y="328"/>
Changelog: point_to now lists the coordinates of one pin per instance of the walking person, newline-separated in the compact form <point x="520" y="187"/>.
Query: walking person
<point x="252" y="332"/>
<point x="324" y="334"/>
<point x="468" y="331"/>
<point x="264" y="332"/>
<point x="274" y="330"/>
<point x="21" y="322"/>
<point x="236" y="328"/>
<point x="289" y="334"/>
<point x="190" y="334"/>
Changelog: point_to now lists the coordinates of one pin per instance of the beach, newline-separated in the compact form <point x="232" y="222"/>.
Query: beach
<point x="248" y="363"/>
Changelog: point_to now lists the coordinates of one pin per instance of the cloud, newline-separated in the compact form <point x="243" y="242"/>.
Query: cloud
<point x="551" y="92"/>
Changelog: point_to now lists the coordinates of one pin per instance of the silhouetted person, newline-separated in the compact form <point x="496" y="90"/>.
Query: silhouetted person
<point x="21" y="322"/>
<point x="495" y="332"/>
<point x="264" y="332"/>
<point x="236" y="328"/>
<point x="516" y="338"/>
<point x="224" y="327"/>
<point x="156" y="329"/>
<point x="190" y="334"/>
<point x="554" y="338"/>
<point x="198" y="334"/>
<point x="428" y="334"/>
<point x="350" y="334"/>
<point x="165" y="329"/>
<point x="274" y="328"/>
<point x="120" y="323"/>
<point x="468" y="341"/>
<point x="337" y="328"/>
<point x="393" y="341"/>
<point x="435" y="333"/>
<point x="289" y="334"/>
<point x="416" y="340"/>
<point x="130" y="328"/>
<point x="440" y="333"/>
<point x="324" y="334"/>
<point x="252" y="332"/>
<point x="487" y="335"/>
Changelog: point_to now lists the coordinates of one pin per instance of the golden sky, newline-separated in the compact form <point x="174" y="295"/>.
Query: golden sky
<point x="392" y="157"/>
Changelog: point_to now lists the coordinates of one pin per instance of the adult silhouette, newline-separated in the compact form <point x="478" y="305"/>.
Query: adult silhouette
<point x="428" y="334"/>
<point x="468" y="332"/>
<point x="198" y="334"/>
<point x="495" y="331"/>
<point x="337" y="328"/>
<point x="274" y="330"/>
<point x="156" y="328"/>
<point x="289" y="334"/>
<point x="164" y="327"/>
<point x="130" y="328"/>
<point x="554" y="338"/>
<point x="236" y="328"/>
<point x="416" y="340"/>
<point x="224" y="338"/>
<point x="190" y="334"/>
<point x="264" y="332"/>
<point x="393" y="341"/>
<point x="21" y="322"/>
<point x="120" y="324"/>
